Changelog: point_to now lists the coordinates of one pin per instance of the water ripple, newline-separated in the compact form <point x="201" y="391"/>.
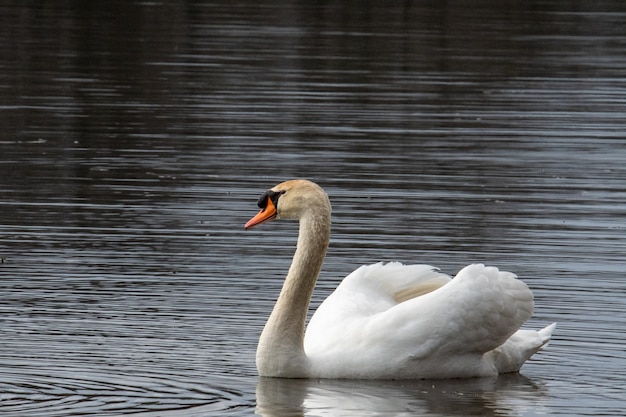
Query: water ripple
<point x="136" y="137"/>
<point x="66" y="391"/>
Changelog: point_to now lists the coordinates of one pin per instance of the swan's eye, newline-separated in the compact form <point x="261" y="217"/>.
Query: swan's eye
<point x="272" y="195"/>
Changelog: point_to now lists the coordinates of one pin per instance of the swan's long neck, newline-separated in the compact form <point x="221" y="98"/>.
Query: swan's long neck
<point x="281" y="347"/>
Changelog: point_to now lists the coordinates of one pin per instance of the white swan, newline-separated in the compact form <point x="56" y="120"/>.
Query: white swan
<point x="388" y="321"/>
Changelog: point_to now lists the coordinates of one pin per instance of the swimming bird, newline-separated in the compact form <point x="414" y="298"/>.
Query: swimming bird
<point x="388" y="320"/>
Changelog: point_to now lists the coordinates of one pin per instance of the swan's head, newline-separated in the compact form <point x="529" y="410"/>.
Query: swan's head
<point x="291" y="200"/>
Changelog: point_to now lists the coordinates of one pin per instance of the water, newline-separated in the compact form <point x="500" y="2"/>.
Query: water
<point x="137" y="136"/>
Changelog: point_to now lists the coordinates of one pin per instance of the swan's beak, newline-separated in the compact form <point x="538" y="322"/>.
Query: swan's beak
<point x="266" y="214"/>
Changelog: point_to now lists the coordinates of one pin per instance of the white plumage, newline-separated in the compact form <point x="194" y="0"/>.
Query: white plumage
<point x="362" y="330"/>
<point x="389" y="321"/>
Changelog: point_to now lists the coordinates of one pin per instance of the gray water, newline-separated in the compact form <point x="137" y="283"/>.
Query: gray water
<point x="136" y="137"/>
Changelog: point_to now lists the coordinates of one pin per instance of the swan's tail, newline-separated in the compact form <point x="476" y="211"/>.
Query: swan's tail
<point x="546" y="334"/>
<point x="520" y="347"/>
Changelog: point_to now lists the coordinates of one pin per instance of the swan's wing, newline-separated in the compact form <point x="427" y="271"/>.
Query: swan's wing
<point x="475" y="312"/>
<point x="366" y="292"/>
<point x="372" y="289"/>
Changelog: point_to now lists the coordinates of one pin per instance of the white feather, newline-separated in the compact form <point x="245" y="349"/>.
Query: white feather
<point x="390" y="321"/>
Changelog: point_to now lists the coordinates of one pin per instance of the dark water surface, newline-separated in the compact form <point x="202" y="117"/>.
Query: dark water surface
<point x="135" y="138"/>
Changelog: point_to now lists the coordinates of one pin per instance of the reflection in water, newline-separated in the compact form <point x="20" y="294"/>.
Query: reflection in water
<point x="480" y="397"/>
<point x="135" y="137"/>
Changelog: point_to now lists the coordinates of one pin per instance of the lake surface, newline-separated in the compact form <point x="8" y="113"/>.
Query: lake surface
<point x="136" y="137"/>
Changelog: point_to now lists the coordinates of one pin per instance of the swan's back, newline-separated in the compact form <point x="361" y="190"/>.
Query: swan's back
<point x="373" y="289"/>
<point x="400" y="321"/>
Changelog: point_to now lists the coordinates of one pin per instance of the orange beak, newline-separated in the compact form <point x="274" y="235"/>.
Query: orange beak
<point x="266" y="214"/>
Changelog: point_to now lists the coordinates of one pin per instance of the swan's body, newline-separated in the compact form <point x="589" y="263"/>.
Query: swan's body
<point x="388" y="321"/>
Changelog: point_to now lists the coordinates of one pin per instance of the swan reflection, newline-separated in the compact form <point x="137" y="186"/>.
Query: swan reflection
<point x="496" y="396"/>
